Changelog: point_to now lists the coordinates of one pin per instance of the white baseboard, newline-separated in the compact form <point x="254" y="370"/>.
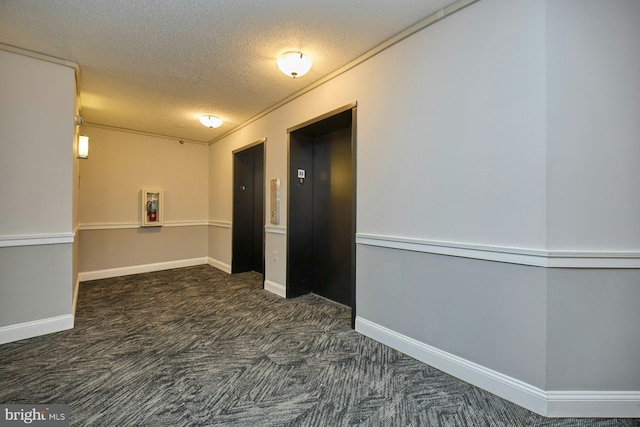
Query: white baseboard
<point x="275" y="288"/>
<point x="137" y="269"/>
<point x="608" y="404"/>
<point x="502" y="385"/>
<point x="35" y="328"/>
<point x="219" y="265"/>
<point x="594" y="404"/>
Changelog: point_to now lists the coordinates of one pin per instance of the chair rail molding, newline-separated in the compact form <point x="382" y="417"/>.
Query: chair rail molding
<point x="36" y="239"/>
<point x="125" y="225"/>
<point x="523" y="256"/>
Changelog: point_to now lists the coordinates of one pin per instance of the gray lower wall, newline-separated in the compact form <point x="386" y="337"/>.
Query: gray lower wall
<point x="490" y="313"/>
<point x="593" y="329"/>
<point x="219" y="244"/>
<point x="35" y="282"/>
<point x="558" y="329"/>
<point x="115" y="248"/>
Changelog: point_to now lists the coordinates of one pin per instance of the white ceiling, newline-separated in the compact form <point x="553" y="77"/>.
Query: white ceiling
<point x="156" y="65"/>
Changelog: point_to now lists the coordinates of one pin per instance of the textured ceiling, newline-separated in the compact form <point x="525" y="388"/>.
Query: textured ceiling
<point x="156" y="65"/>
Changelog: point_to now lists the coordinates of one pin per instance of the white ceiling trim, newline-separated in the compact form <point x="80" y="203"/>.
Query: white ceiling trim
<point x="40" y="56"/>
<point x="139" y="132"/>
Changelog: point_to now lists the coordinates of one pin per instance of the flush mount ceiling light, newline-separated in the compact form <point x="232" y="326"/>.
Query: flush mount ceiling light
<point x="294" y="64"/>
<point x="211" y="121"/>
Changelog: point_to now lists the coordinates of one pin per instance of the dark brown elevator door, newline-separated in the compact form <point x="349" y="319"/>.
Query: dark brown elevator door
<point x="248" y="210"/>
<point x="321" y="209"/>
<point x="332" y="216"/>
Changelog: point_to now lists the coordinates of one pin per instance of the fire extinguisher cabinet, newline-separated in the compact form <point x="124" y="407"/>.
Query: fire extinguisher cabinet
<point x="152" y="208"/>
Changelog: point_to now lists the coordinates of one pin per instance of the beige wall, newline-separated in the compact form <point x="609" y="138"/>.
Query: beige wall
<point x="219" y="241"/>
<point x="120" y="164"/>
<point x="117" y="248"/>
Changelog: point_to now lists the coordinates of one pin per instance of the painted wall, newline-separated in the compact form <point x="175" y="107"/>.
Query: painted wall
<point x="592" y="324"/>
<point x="491" y="313"/>
<point x="114" y="249"/>
<point x="36" y="188"/>
<point x="505" y="132"/>
<point x="36" y="130"/>
<point x="36" y="285"/>
<point x="451" y="149"/>
<point x="476" y="139"/>
<point x="593" y="126"/>
<point x="451" y="142"/>
<point x="593" y="140"/>
<point x="76" y="205"/>
<point x="120" y="164"/>
<point x="451" y="130"/>
<point x="221" y="206"/>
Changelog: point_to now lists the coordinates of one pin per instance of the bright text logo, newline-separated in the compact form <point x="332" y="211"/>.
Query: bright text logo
<point x="37" y="415"/>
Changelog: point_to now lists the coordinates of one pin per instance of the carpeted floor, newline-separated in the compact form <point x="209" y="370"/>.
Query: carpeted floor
<point x="197" y="347"/>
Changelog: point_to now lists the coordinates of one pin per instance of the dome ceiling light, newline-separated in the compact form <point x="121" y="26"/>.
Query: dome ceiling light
<point x="294" y="64"/>
<point x="210" y="121"/>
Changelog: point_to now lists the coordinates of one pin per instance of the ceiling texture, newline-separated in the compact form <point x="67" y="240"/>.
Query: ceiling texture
<point x="155" y="66"/>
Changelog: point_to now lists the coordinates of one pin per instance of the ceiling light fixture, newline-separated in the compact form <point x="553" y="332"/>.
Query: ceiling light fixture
<point x="294" y="64"/>
<point x="211" y="121"/>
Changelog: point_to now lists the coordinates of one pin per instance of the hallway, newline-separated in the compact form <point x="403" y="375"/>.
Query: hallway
<point x="196" y="346"/>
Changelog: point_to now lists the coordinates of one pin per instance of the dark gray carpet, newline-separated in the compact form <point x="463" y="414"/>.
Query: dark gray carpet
<point x="197" y="347"/>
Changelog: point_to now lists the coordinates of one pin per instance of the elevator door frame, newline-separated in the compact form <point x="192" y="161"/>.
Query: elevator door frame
<point x="292" y="291"/>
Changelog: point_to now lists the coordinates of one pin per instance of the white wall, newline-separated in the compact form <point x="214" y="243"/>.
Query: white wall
<point x="36" y="188"/>
<point x="474" y="139"/>
<point x="593" y="124"/>
<point x="36" y="130"/>
<point x="451" y="131"/>
<point x="593" y="140"/>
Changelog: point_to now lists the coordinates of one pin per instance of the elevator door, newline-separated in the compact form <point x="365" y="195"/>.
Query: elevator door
<point x="248" y="210"/>
<point x="321" y="210"/>
<point x="332" y="202"/>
